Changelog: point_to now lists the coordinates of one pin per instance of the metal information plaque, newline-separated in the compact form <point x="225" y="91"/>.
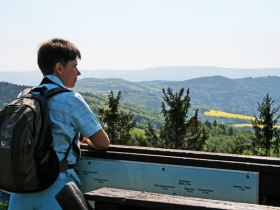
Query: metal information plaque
<point x="218" y="184"/>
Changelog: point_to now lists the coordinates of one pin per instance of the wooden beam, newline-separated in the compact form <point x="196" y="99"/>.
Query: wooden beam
<point x="119" y="199"/>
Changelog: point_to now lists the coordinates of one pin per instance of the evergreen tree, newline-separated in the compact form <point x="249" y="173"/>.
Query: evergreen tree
<point x="215" y="123"/>
<point x="124" y="126"/>
<point x="196" y="134"/>
<point x="237" y="147"/>
<point x="152" y="138"/>
<point x="175" y="128"/>
<point x="111" y="116"/>
<point x="208" y="124"/>
<point x="230" y="131"/>
<point x="117" y="124"/>
<point x="141" y="141"/>
<point x="266" y="139"/>
<point x="178" y="131"/>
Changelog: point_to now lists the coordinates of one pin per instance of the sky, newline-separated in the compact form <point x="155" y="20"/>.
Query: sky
<point x="140" y="34"/>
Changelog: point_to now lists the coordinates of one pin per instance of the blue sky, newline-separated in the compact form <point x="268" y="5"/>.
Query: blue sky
<point x="139" y="34"/>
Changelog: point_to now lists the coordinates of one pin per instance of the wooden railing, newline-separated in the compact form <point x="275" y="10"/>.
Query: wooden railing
<point x="267" y="168"/>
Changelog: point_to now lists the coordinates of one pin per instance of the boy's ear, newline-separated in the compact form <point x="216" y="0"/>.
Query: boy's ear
<point x="58" y="68"/>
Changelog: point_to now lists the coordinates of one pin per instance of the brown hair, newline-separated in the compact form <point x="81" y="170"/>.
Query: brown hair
<point x="53" y="51"/>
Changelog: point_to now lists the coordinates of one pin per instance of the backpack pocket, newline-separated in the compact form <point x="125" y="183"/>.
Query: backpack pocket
<point x="23" y="162"/>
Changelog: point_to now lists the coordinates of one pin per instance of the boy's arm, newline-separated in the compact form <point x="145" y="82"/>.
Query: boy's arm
<point x="99" y="140"/>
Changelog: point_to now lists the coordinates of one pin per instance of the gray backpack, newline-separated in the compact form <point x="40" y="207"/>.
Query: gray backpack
<point x="28" y="161"/>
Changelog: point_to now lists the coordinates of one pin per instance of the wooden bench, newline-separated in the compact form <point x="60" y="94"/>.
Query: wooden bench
<point x="119" y="199"/>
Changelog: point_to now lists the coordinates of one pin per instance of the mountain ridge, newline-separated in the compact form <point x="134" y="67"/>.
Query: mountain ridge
<point x="170" y="73"/>
<point x="231" y="95"/>
<point x="240" y="96"/>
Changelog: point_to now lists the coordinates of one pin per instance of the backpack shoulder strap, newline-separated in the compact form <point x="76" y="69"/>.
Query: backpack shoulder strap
<point x="54" y="91"/>
<point x="63" y="164"/>
<point x="46" y="93"/>
<point x="46" y="80"/>
<point x="49" y="93"/>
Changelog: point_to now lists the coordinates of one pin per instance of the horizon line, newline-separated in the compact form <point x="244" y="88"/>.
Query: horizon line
<point x="149" y="68"/>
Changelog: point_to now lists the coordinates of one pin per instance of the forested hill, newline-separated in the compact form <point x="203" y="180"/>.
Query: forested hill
<point x="231" y="95"/>
<point x="8" y="92"/>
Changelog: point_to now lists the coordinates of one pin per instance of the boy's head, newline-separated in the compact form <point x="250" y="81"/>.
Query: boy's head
<point x="54" y="51"/>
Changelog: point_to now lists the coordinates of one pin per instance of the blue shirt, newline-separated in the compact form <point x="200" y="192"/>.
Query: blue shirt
<point x="70" y="115"/>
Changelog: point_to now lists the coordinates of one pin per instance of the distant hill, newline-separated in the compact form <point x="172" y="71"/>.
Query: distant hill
<point x="168" y="73"/>
<point x="217" y="92"/>
<point x="239" y="96"/>
<point x="8" y="92"/>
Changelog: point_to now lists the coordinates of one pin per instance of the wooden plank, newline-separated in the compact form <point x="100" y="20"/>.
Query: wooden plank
<point x="119" y="199"/>
<point x="185" y="161"/>
<point x="191" y="154"/>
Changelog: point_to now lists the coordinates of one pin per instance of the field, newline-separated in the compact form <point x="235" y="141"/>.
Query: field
<point x="216" y="113"/>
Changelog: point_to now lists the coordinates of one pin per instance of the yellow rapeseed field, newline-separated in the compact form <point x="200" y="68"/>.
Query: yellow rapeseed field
<point x="242" y="125"/>
<point x="216" y="113"/>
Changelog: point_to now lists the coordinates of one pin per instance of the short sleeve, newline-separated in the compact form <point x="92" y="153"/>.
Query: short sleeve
<point x="83" y="118"/>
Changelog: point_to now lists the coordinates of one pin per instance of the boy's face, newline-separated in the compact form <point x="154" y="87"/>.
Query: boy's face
<point x="69" y="73"/>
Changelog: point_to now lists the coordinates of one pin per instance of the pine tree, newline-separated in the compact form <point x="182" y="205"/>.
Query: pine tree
<point x="215" y="123"/>
<point x="111" y="116"/>
<point x="178" y="131"/>
<point x="125" y="124"/>
<point x="175" y="127"/>
<point x="266" y="139"/>
<point x="152" y="137"/>
<point x="117" y="124"/>
<point x="230" y="131"/>
<point x="196" y="135"/>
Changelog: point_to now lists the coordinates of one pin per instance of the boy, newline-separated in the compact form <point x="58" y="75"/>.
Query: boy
<point x="70" y="116"/>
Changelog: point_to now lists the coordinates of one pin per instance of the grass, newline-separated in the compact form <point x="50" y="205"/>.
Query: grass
<point x="137" y="131"/>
